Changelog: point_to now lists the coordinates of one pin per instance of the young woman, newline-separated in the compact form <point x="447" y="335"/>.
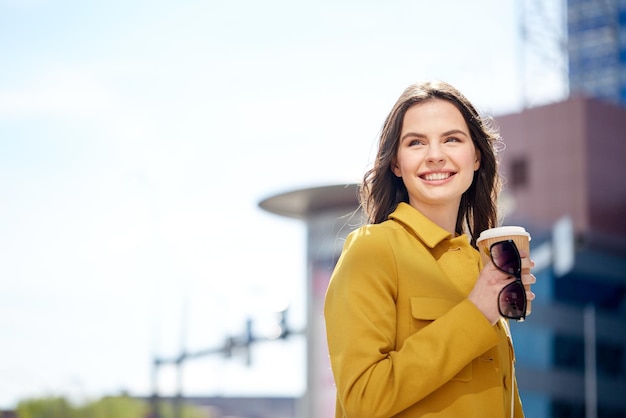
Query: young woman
<point x="412" y="317"/>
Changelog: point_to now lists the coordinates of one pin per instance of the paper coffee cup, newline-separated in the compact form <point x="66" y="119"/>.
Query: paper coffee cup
<point x="515" y="233"/>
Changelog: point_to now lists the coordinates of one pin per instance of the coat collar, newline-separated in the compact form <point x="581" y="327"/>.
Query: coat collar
<point x="426" y="230"/>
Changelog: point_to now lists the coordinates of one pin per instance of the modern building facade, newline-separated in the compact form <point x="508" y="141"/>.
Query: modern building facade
<point x="563" y="162"/>
<point x="597" y="48"/>
<point x="330" y="213"/>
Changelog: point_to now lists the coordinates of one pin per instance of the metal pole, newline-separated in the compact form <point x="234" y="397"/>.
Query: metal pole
<point x="155" y="388"/>
<point x="523" y="34"/>
<point x="227" y="350"/>
<point x="591" y="389"/>
<point x="178" y="402"/>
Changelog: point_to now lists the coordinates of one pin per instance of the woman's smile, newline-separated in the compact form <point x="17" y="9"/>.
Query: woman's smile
<point x="436" y="177"/>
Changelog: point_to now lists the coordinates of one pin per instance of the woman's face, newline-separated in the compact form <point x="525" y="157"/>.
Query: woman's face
<point x="436" y="157"/>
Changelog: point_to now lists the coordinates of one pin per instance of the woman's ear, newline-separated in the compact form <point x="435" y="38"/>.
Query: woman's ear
<point x="395" y="169"/>
<point x="477" y="161"/>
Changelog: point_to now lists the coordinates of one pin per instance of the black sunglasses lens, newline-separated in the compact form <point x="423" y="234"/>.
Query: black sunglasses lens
<point x="512" y="301"/>
<point x="506" y="257"/>
<point x="512" y="298"/>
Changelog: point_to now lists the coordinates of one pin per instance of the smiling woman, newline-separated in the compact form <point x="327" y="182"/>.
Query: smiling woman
<point x="411" y="313"/>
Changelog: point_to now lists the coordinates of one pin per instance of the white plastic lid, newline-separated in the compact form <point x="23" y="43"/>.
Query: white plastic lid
<point x="502" y="231"/>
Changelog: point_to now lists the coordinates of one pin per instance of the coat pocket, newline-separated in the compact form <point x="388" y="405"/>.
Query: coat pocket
<point x="429" y="309"/>
<point x="424" y="311"/>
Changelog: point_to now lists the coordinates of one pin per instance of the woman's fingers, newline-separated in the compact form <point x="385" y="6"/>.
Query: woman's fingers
<point x="529" y="279"/>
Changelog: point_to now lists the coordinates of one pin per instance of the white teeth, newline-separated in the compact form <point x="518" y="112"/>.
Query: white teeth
<point x="436" y="176"/>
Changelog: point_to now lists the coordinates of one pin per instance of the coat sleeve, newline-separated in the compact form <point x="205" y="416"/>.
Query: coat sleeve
<point x="374" y="378"/>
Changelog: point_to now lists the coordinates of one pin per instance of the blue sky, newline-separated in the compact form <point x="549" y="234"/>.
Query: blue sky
<point x="136" y="140"/>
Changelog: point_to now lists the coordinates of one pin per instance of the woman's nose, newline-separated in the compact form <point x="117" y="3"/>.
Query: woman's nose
<point x="435" y="154"/>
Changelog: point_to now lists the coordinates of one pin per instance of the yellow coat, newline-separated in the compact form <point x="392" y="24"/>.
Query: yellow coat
<point x="403" y="338"/>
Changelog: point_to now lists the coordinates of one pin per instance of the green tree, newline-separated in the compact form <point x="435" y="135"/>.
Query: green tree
<point x="107" y="407"/>
<point x="113" y="407"/>
<point x="53" y="407"/>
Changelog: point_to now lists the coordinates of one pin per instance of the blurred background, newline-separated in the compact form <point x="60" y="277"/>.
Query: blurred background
<point x="138" y="140"/>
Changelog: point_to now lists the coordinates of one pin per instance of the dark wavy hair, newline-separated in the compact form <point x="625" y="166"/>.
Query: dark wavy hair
<point x="381" y="190"/>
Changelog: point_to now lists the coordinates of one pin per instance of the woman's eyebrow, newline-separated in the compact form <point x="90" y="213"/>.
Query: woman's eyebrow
<point x="415" y="134"/>
<point x="455" y="131"/>
<point x="447" y="133"/>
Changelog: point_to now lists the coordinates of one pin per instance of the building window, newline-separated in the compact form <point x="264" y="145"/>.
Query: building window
<point x="565" y="409"/>
<point x="519" y="173"/>
<point x="573" y="409"/>
<point x="569" y="354"/>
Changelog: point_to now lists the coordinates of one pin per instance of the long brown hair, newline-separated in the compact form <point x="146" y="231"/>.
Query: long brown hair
<point x="381" y="190"/>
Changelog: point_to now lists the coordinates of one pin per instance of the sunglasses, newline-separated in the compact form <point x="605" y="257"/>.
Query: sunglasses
<point x="512" y="297"/>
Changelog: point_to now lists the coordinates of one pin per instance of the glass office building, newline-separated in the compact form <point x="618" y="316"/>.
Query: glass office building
<point x="597" y="48"/>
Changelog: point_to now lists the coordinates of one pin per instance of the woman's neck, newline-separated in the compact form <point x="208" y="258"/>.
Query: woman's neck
<point x="442" y="215"/>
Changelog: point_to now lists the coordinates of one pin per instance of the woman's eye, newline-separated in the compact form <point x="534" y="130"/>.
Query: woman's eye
<point x="453" y="139"/>
<point x="415" y="142"/>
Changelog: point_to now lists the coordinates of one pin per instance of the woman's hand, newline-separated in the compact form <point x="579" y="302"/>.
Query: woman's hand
<point x="528" y="279"/>
<point x="491" y="280"/>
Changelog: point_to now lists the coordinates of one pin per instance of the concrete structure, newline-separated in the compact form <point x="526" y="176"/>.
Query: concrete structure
<point x="330" y="213"/>
<point x="564" y="158"/>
